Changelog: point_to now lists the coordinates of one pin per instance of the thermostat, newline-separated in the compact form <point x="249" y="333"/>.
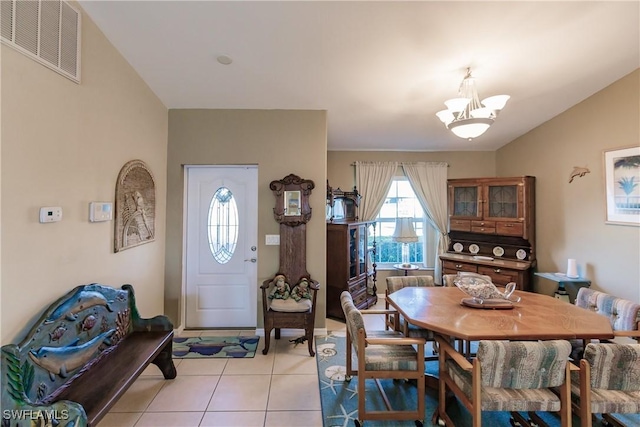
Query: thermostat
<point x="100" y="211"/>
<point x="50" y="214"/>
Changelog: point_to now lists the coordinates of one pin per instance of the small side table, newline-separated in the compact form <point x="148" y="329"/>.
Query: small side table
<point x="406" y="269"/>
<point x="567" y="287"/>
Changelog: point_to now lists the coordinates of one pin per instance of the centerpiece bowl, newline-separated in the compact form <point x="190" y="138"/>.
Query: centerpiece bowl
<point x="484" y="294"/>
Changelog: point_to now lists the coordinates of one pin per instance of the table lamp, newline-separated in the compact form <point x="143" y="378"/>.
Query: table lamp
<point x="405" y="234"/>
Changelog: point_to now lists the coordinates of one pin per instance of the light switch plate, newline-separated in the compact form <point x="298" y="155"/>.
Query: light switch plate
<point x="272" y="239"/>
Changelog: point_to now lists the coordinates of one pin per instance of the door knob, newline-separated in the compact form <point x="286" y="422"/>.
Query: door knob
<point x="251" y="259"/>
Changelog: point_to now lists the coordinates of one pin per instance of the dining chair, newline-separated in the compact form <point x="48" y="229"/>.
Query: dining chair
<point x="397" y="322"/>
<point x="608" y="382"/>
<point x="448" y="280"/>
<point x="382" y="355"/>
<point x="395" y="283"/>
<point x="623" y="314"/>
<point x="515" y="376"/>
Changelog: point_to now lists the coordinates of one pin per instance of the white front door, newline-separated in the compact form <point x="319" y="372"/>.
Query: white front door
<point x="221" y="246"/>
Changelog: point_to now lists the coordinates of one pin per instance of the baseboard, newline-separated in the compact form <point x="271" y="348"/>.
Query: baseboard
<point x="293" y="332"/>
<point x="260" y="331"/>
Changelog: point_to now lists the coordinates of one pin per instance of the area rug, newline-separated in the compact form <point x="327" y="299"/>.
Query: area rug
<point x="220" y="347"/>
<point x="339" y="398"/>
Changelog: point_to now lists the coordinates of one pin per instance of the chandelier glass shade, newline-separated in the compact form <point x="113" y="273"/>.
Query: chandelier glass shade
<point x="466" y="116"/>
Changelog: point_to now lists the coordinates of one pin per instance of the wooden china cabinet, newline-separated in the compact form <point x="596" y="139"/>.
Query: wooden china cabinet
<point x="351" y="247"/>
<point x="492" y="229"/>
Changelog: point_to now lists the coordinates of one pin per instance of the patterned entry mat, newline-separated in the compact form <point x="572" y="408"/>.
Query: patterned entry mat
<point x="200" y="347"/>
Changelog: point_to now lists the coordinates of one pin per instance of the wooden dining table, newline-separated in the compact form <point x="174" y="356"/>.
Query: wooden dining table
<point x="534" y="317"/>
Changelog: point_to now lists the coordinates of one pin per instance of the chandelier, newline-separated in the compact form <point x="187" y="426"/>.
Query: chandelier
<point x="466" y="116"/>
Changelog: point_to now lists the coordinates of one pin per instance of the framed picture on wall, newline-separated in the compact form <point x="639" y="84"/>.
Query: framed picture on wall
<point x="622" y="185"/>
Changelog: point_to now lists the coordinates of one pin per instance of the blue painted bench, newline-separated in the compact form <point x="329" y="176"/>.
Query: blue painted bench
<point x="83" y="353"/>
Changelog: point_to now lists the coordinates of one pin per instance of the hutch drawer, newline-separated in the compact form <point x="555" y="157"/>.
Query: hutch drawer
<point x="487" y="227"/>
<point x="510" y="228"/>
<point x="460" y="225"/>
<point x="500" y="276"/>
<point x="454" y="267"/>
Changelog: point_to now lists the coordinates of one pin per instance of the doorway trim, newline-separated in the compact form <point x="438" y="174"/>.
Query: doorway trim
<point x="183" y="287"/>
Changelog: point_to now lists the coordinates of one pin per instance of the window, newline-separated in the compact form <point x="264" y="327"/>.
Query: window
<point x="223" y="225"/>
<point x="401" y="201"/>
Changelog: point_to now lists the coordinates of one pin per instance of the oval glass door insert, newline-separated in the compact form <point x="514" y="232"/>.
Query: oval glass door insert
<point x="223" y="225"/>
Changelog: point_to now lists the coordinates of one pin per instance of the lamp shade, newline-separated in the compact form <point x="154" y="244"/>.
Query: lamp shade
<point x="470" y="128"/>
<point x="404" y="232"/>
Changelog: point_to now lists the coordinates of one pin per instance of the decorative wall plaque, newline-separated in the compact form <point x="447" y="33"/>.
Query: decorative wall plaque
<point x="135" y="206"/>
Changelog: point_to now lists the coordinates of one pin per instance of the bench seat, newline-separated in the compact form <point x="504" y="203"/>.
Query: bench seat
<point x="102" y="383"/>
<point x="80" y="357"/>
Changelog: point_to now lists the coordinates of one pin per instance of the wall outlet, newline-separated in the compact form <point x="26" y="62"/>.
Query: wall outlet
<point x="272" y="239"/>
<point x="50" y="214"/>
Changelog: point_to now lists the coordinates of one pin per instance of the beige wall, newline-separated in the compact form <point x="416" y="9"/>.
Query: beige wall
<point x="63" y="144"/>
<point x="571" y="216"/>
<point x="462" y="164"/>
<point x="280" y="142"/>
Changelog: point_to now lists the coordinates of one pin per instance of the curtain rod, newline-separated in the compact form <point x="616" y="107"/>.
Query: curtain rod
<point x="448" y="165"/>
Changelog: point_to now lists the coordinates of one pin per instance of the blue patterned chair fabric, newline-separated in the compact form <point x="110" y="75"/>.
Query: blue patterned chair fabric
<point x="608" y="381"/>
<point x="624" y="315"/>
<point x="512" y="376"/>
<point x="382" y="354"/>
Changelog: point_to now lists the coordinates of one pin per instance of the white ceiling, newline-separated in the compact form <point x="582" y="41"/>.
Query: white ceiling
<point x="380" y="69"/>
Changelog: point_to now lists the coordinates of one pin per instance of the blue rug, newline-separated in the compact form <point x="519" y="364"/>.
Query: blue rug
<point x="339" y="398"/>
<point x="220" y="347"/>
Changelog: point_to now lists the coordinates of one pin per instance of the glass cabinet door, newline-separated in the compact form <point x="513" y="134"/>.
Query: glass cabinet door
<point x="353" y="252"/>
<point x="466" y="201"/>
<point x="362" y="249"/>
<point x="502" y="201"/>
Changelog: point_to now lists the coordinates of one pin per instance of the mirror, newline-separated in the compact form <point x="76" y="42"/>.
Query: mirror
<point x="292" y="200"/>
<point x="292" y="203"/>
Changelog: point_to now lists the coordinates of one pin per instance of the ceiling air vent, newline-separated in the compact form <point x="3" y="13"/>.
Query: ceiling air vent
<point x="45" y="30"/>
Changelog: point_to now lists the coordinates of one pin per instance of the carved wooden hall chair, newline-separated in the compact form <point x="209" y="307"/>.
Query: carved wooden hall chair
<point x="289" y="298"/>
<point x="381" y="355"/>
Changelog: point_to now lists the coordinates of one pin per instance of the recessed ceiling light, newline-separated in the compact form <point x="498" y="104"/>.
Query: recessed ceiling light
<point x="224" y="59"/>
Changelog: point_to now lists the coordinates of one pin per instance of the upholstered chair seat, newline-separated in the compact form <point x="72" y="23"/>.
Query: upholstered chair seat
<point x="508" y="376"/>
<point x="624" y="315"/>
<point x="382" y="354"/>
<point x="608" y="381"/>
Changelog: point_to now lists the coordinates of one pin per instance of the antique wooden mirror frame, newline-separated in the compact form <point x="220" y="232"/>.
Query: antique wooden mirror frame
<point x="292" y="200"/>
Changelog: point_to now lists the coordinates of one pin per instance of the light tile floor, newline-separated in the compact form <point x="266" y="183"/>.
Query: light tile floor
<point x="277" y="390"/>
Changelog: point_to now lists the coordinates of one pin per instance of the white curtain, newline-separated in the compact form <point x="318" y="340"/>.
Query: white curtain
<point x="373" y="180"/>
<point x="429" y="182"/>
